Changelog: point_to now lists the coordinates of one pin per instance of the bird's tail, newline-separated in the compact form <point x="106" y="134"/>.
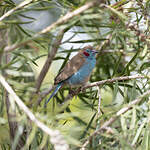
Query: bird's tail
<point x="55" y="91"/>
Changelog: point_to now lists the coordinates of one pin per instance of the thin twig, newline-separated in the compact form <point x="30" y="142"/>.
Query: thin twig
<point x="112" y="51"/>
<point x="103" y="44"/>
<point x="14" y="46"/>
<point x="114" y="118"/>
<point x="56" y="137"/>
<point x="99" y="102"/>
<point x="22" y="4"/>
<point x="49" y="60"/>
<point x="113" y="80"/>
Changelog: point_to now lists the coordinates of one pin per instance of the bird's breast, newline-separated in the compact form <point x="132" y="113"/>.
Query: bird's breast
<point x="83" y="74"/>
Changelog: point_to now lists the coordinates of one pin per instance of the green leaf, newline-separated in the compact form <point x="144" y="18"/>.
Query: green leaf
<point x="90" y="40"/>
<point x="88" y="126"/>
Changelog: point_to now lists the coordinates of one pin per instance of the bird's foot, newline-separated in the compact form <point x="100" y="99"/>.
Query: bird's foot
<point x="82" y="89"/>
<point x="74" y="92"/>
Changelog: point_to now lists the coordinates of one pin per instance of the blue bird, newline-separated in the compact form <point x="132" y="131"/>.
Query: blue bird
<point x="77" y="71"/>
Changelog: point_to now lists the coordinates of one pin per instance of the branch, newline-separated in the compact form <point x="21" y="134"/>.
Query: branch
<point x="113" y="80"/>
<point x="99" y="102"/>
<point x="49" y="60"/>
<point x="26" y="2"/>
<point x="70" y="15"/>
<point x="94" y="84"/>
<point x="14" y="46"/>
<point x="60" y="21"/>
<point x="10" y="108"/>
<point x="112" y="119"/>
<point x="103" y="44"/>
<point x="56" y="137"/>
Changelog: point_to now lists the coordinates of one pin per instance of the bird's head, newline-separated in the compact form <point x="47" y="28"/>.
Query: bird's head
<point x="89" y="51"/>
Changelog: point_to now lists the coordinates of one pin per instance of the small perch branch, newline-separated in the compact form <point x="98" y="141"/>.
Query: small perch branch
<point x="98" y="84"/>
<point x="113" y="80"/>
<point x="56" y="137"/>
<point x="112" y="119"/>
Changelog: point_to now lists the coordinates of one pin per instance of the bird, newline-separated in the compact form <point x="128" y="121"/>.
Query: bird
<point x="77" y="71"/>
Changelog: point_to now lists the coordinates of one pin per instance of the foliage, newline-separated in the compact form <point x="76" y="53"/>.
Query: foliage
<point x="119" y="30"/>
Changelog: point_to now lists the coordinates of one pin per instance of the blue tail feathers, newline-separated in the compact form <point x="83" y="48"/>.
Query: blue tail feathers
<point x="55" y="91"/>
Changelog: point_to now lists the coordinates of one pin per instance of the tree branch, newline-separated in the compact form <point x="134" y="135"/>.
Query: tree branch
<point x="11" y="111"/>
<point x="113" y="80"/>
<point x="99" y="102"/>
<point x="22" y="4"/>
<point x="95" y="84"/>
<point x="49" y="60"/>
<point x="70" y="15"/>
<point x="60" y="21"/>
<point x="112" y="119"/>
<point x="103" y="44"/>
<point x="56" y="137"/>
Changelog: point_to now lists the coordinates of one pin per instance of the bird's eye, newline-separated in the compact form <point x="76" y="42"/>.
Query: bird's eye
<point x="86" y="53"/>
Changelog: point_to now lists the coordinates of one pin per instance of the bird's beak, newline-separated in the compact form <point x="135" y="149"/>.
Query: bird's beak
<point x="94" y="51"/>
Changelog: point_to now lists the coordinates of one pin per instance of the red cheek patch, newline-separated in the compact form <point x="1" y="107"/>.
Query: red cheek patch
<point x="86" y="54"/>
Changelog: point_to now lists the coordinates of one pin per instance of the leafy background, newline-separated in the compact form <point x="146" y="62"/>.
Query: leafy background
<point x="119" y="30"/>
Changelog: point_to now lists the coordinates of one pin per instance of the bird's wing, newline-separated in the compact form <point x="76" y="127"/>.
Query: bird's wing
<point x="70" y="68"/>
